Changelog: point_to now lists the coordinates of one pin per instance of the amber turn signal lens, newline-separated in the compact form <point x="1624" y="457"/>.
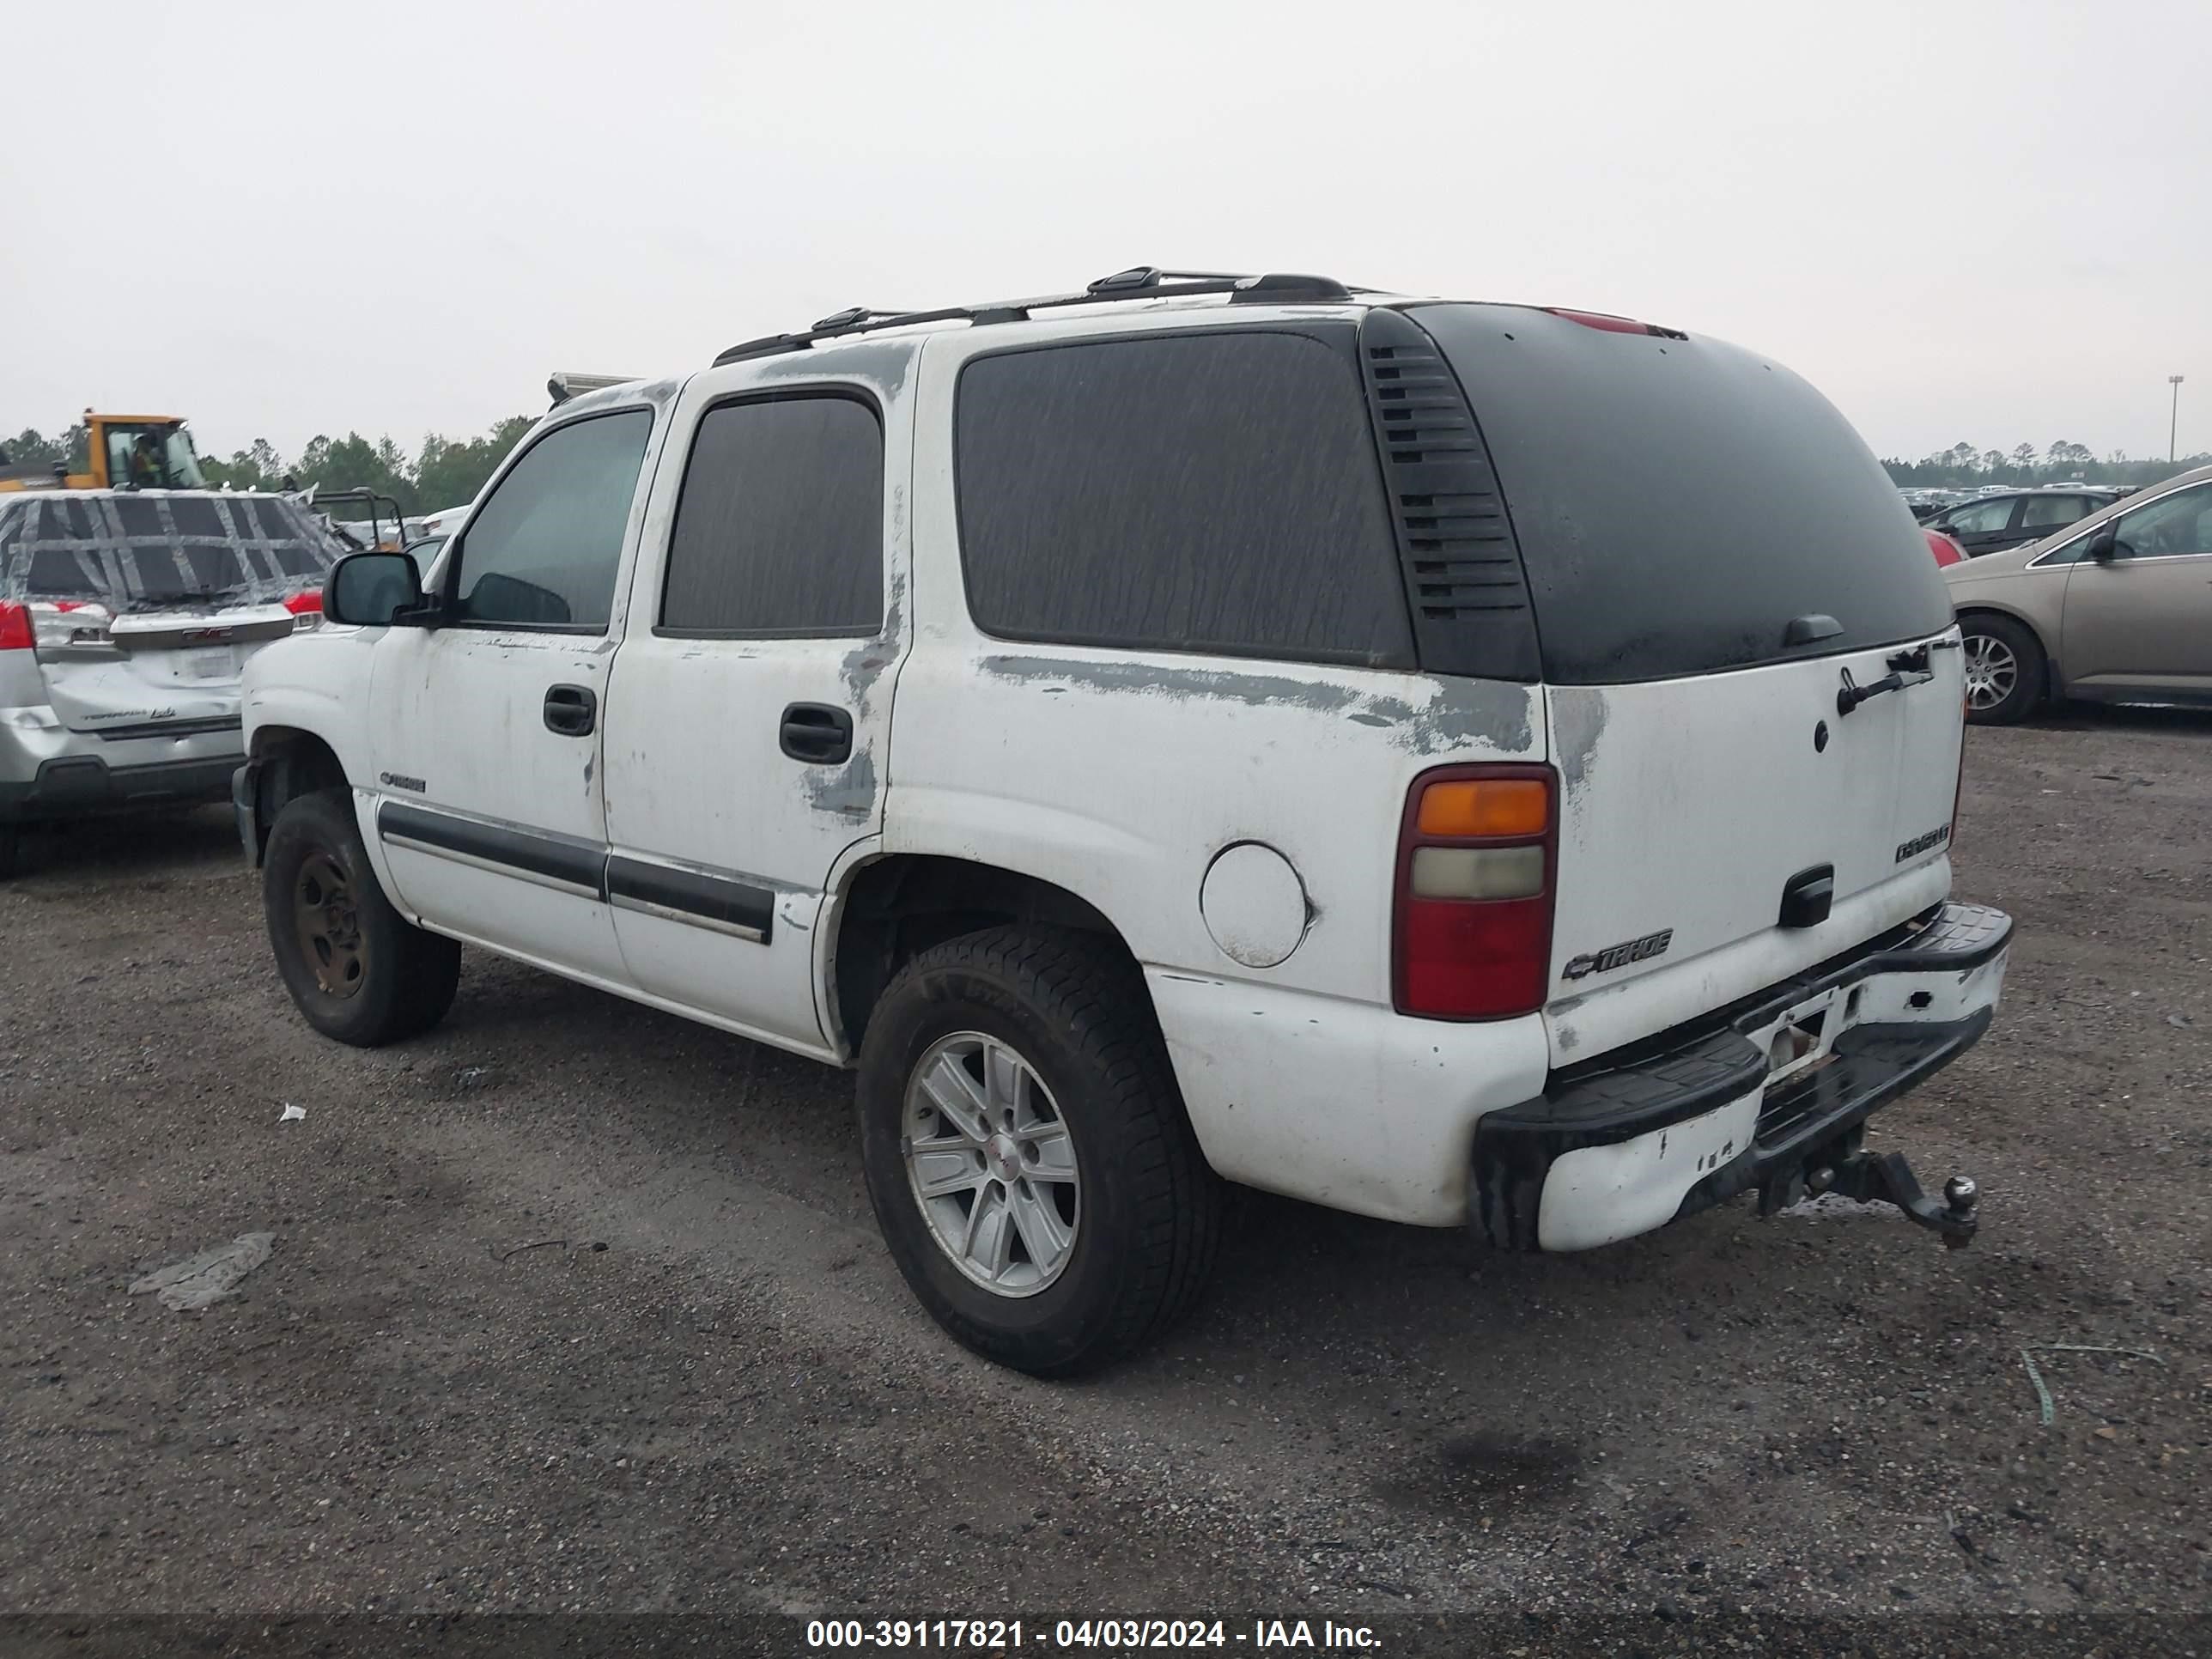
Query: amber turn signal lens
<point x="1478" y="806"/>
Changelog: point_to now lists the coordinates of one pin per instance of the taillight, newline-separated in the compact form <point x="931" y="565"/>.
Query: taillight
<point x="307" y="609"/>
<point x="14" y="627"/>
<point x="1476" y="852"/>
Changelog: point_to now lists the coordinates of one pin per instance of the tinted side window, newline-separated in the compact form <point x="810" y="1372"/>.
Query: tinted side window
<point x="1206" y="492"/>
<point x="541" y="550"/>
<point x="2178" y="526"/>
<point x="2048" y="512"/>
<point x="779" y="527"/>
<point x="1983" y="516"/>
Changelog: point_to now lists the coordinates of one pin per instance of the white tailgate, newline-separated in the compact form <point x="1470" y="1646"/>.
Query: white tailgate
<point x="1690" y="805"/>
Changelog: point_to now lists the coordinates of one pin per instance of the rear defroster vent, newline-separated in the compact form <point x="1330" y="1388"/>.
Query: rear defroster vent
<point x="1462" y="567"/>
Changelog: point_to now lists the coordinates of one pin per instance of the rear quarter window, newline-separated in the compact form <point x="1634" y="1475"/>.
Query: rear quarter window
<point x="1679" y="502"/>
<point x="1215" y="492"/>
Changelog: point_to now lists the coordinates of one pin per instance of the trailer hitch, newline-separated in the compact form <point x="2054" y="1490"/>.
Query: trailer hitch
<point x="1886" y="1178"/>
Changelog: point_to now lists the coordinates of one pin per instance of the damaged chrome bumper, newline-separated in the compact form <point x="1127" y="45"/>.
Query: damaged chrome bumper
<point x="1772" y="1095"/>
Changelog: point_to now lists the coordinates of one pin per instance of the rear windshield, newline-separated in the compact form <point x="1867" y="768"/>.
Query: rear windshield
<point x="1679" y="502"/>
<point x="145" y="551"/>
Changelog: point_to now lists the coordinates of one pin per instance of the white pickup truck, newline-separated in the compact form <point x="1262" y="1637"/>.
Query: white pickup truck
<point x="1475" y="765"/>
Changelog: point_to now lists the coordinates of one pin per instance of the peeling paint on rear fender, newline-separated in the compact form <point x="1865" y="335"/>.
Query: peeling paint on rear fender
<point x="1578" y="717"/>
<point x="1457" y="714"/>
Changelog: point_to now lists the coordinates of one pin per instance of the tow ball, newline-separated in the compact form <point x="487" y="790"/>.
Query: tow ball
<point x="1885" y="1177"/>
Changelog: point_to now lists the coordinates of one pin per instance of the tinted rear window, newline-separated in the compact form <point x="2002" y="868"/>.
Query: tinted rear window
<point x="1210" y="492"/>
<point x="1679" y="502"/>
<point x="143" y="550"/>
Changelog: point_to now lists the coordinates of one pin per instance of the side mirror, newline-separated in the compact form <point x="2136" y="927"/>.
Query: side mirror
<point x="2105" y="546"/>
<point x="372" y="590"/>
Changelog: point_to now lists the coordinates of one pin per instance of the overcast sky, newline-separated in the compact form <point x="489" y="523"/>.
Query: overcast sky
<point x="1988" y="221"/>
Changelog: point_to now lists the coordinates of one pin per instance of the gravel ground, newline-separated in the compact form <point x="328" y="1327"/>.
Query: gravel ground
<point x="575" y="1308"/>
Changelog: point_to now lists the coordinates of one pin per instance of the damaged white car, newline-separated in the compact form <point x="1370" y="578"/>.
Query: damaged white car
<point x="1381" y="750"/>
<point x="126" y="617"/>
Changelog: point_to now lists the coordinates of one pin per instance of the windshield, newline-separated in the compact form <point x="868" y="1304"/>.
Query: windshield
<point x="184" y="462"/>
<point x="142" y="553"/>
<point x="1679" y="502"/>
<point x="153" y="455"/>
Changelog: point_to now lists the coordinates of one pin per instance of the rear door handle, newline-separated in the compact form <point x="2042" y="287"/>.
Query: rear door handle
<point x="573" y="711"/>
<point x="817" y="733"/>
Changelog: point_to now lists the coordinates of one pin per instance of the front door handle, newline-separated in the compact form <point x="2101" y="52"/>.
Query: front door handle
<point x="573" y="711"/>
<point x="817" y="733"/>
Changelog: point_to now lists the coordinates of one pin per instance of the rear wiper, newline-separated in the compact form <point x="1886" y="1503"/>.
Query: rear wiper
<point x="1906" y="668"/>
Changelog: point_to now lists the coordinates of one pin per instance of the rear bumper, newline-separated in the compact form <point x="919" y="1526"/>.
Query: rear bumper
<point x="81" y="785"/>
<point x="1757" y="1097"/>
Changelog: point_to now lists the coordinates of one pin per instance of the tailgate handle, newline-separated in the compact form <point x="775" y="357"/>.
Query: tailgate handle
<point x="1807" y="897"/>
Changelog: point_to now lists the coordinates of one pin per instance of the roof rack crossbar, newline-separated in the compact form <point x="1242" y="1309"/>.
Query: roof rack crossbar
<point x="1138" y="282"/>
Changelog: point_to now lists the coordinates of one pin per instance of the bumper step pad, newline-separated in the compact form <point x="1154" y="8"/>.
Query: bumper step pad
<point x="1811" y="1123"/>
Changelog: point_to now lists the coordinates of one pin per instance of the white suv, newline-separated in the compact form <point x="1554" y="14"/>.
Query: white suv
<point x="1468" y="764"/>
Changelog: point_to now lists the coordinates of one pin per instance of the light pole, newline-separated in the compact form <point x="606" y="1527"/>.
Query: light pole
<point x="2174" y="423"/>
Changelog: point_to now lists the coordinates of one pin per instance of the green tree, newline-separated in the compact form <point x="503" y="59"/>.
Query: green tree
<point x="1960" y="467"/>
<point x="31" y="448"/>
<point x="449" y="474"/>
<point x="259" y="466"/>
<point x="352" y="462"/>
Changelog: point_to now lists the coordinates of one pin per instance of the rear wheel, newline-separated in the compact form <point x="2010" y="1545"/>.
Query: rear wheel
<point x="1027" y="1153"/>
<point x="11" y="850"/>
<point x="358" y="970"/>
<point x="2004" y="670"/>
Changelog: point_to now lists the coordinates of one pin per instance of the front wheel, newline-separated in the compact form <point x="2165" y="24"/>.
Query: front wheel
<point x="2004" y="670"/>
<point x="1027" y="1153"/>
<point x="358" y="970"/>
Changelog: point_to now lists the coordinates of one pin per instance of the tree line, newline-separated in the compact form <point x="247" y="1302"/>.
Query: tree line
<point x="444" y="473"/>
<point x="1963" y="464"/>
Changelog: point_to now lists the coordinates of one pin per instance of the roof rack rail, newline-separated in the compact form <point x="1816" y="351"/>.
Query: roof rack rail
<point x="1137" y="282"/>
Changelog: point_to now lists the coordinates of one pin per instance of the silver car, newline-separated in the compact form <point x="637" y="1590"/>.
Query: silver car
<point x="125" y="619"/>
<point x="2115" y="609"/>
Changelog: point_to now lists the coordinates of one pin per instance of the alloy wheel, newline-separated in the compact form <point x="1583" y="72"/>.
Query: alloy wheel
<point x="1992" y="671"/>
<point x="991" y="1163"/>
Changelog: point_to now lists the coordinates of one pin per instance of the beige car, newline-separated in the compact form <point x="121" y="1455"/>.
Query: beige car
<point x="2115" y="609"/>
